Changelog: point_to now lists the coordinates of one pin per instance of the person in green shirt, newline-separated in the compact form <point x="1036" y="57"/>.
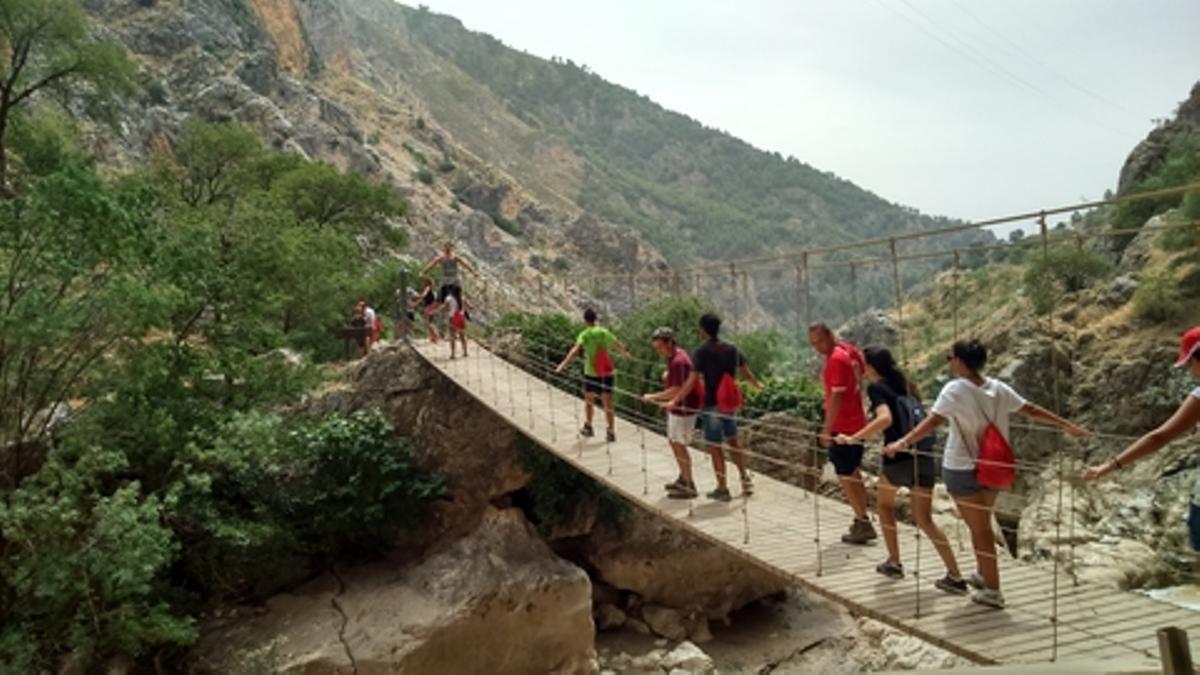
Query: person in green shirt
<point x="596" y="343"/>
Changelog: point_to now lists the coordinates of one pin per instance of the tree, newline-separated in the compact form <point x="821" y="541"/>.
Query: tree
<point x="45" y="48"/>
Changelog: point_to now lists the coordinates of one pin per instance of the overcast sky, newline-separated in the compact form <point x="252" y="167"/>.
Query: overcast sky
<point x="965" y="108"/>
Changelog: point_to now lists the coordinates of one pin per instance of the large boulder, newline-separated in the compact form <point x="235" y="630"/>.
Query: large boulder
<point x="871" y="329"/>
<point x="452" y="433"/>
<point x="495" y="601"/>
<point x="671" y="568"/>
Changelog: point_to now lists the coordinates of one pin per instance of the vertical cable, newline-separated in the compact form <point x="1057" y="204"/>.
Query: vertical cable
<point x="1057" y="450"/>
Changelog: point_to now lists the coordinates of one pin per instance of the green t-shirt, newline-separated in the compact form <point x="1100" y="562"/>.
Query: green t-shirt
<point x="592" y="339"/>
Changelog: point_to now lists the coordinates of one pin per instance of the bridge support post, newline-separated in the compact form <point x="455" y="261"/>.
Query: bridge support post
<point x="1174" y="651"/>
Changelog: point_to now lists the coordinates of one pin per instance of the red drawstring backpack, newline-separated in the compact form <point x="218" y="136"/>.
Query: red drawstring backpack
<point x="602" y="364"/>
<point x="996" y="466"/>
<point x="729" y="395"/>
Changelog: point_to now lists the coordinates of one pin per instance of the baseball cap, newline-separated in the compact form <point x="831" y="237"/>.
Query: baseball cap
<point x="663" y="333"/>
<point x="1189" y="344"/>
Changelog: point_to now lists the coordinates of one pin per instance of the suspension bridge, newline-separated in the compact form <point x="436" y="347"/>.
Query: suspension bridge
<point x="793" y="530"/>
<point x="794" y="533"/>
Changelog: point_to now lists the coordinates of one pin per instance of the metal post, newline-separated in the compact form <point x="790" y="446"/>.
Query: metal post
<point x="1174" y="651"/>
<point x="814" y="456"/>
<point x="1058" y="455"/>
<point x="899" y="303"/>
<point x="733" y="276"/>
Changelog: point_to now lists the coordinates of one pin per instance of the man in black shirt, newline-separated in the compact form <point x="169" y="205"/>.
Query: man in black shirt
<point x="713" y="361"/>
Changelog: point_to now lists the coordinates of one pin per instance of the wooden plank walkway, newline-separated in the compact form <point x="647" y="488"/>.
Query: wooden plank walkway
<point x="777" y="529"/>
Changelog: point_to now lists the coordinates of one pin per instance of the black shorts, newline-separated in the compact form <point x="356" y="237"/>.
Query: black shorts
<point x="444" y="291"/>
<point x="900" y="471"/>
<point x="846" y="458"/>
<point x="595" y="384"/>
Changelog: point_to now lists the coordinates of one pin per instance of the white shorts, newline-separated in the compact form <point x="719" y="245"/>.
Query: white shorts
<point x="680" y="428"/>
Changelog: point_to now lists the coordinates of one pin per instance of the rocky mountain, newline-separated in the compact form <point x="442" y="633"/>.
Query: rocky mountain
<point x="538" y="168"/>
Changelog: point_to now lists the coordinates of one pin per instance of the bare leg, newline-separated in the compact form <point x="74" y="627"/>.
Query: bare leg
<point x="922" y="506"/>
<point x="588" y="407"/>
<point x="976" y="510"/>
<point x="683" y="459"/>
<point x="886" y="493"/>
<point x="718" y="460"/>
<point x="739" y="456"/>
<point x="609" y="416"/>
<point x="856" y="493"/>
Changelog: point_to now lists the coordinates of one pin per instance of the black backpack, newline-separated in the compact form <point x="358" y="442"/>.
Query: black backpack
<point x="911" y="412"/>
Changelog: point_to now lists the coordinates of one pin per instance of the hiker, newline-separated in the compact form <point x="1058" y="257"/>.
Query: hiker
<point x="719" y="363"/>
<point x="896" y="406"/>
<point x="373" y="323"/>
<point x="598" y="372"/>
<point x="978" y="409"/>
<point x="456" y="310"/>
<point x="429" y="309"/>
<point x="681" y="419"/>
<point x="844" y="414"/>
<point x="358" y="321"/>
<point x="1186" y="418"/>
<point x="450" y="263"/>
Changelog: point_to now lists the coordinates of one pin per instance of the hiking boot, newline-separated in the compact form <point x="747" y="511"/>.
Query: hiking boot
<point x="860" y="532"/>
<point x="587" y="431"/>
<point x="747" y="486"/>
<point x="682" y="491"/>
<point x="890" y="569"/>
<point x="610" y="436"/>
<point x="720" y="494"/>
<point x="949" y="584"/>
<point x="988" y="597"/>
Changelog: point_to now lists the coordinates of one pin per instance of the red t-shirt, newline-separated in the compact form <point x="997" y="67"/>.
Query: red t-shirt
<point x="840" y="372"/>
<point x="678" y="370"/>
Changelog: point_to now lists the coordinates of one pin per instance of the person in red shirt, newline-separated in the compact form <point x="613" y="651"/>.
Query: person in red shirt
<point x="844" y="414"/>
<point x="681" y="419"/>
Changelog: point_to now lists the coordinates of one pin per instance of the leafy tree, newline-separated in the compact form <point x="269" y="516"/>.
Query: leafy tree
<point x="319" y="193"/>
<point x="1063" y="269"/>
<point x="47" y="48"/>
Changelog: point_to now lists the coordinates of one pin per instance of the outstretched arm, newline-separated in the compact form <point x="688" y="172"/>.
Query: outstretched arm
<point x="429" y="265"/>
<point x="621" y="348"/>
<point x="883" y="420"/>
<point x="569" y="357"/>
<point x="667" y="394"/>
<point x="919" y="432"/>
<point x="466" y="265"/>
<point x="1184" y="420"/>
<point x="749" y="377"/>
<point x="1036" y="412"/>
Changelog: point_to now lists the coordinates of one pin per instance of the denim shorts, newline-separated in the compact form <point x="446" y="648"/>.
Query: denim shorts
<point x="961" y="482"/>
<point x="718" y="427"/>
<point x="1194" y="527"/>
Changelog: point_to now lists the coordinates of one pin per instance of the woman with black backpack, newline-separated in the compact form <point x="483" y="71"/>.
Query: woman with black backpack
<point x="978" y="461"/>
<point x="896" y="409"/>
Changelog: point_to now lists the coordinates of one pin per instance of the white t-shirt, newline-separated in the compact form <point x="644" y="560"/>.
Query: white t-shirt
<point x="369" y="315"/>
<point x="969" y="409"/>
<point x="451" y="305"/>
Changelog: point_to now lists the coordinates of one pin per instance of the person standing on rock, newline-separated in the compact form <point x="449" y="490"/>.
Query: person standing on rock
<point x="451" y="264"/>
<point x="976" y="406"/>
<point x="681" y="419"/>
<point x="844" y="414"/>
<point x="896" y="404"/>
<point x="596" y="342"/>
<point x="429" y="309"/>
<point x="716" y="365"/>
<point x="1185" y="419"/>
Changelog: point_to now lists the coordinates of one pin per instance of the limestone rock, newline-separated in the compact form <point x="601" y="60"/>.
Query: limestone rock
<point x="665" y="621"/>
<point x="871" y="329"/>
<point x="671" y="568"/>
<point x="688" y="658"/>
<point x="498" y="590"/>
<point x="608" y="617"/>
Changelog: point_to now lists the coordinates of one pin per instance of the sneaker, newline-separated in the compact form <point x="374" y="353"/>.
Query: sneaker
<point x="747" y="486"/>
<point x="678" y="482"/>
<point x="682" y="491"/>
<point x="976" y="581"/>
<point x="587" y="431"/>
<point x="720" y="494"/>
<point x="890" y="569"/>
<point x="610" y="436"/>
<point x="949" y="584"/>
<point x="988" y="597"/>
<point x="860" y="532"/>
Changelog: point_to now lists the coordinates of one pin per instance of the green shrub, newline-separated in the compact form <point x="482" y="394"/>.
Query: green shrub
<point x="506" y="224"/>
<point x="562" y="264"/>
<point x="558" y="490"/>
<point x="424" y="175"/>
<point x="446" y="166"/>
<point x="1063" y="269"/>
<point x="1157" y="297"/>
<point x="1181" y="238"/>
<point x="84" y="568"/>
<point x="416" y="154"/>
<point x="374" y="138"/>
<point x="1180" y="166"/>
<point x="799" y="396"/>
